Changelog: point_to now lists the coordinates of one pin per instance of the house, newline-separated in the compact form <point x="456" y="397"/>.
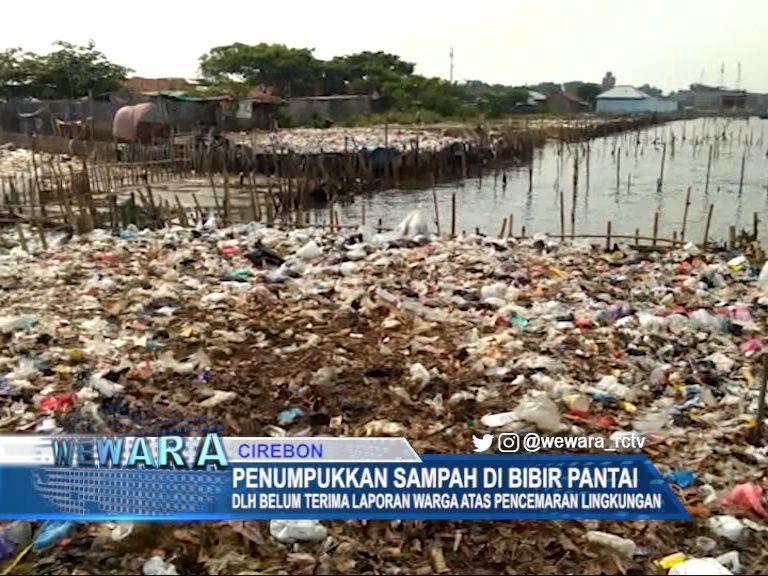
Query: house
<point x="564" y="103"/>
<point x="630" y="100"/>
<point x="536" y="99"/>
<point x="139" y="85"/>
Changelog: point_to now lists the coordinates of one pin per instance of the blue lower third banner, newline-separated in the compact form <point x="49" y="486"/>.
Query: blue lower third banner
<point x="211" y="478"/>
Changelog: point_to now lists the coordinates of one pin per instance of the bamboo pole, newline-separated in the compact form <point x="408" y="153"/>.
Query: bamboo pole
<point x="660" y="183"/>
<point x="22" y="239"/>
<point x="437" y="211"/>
<point x="608" y="237"/>
<point x="685" y="214"/>
<point x="503" y="228"/>
<point x="618" y="171"/>
<point x="706" y="227"/>
<point x="757" y="437"/>
<point x="453" y="215"/>
<point x="755" y="223"/>
<point x="655" y="227"/>
<point x="562" y="215"/>
<point x="741" y="177"/>
<point x="511" y="225"/>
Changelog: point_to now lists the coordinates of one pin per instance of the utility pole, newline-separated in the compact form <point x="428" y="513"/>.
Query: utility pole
<point x="451" y="64"/>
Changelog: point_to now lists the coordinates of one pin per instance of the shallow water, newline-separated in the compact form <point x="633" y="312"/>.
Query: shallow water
<point x="485" y="202"/>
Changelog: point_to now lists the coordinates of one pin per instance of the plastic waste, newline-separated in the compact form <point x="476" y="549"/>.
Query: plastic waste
<point x="699" y="567"/>
<point x="289" y="531"/>
<point x="157" y="566"/>
<point x="499" y="420"/>
<point x="309" y="251"/>
<point x="610" y="384"/>
<point x="748" y="496"/>
<point x="19" y="532"/>
<point x="618" y="544"/>
<point x="7" y="548"/>
<point x="682" y="478"/>
<point x="412" y="226"/>
<point x="218" y="397"/>
<point x="121" y="531"/>
<point x="384" y="428"/>
<point x="419" y="375"/>
<point x="751" y="347"/>
<point x="538" y="409"/>
<point x="668" y="561"/>
<point x="762" y="279"/>
<point x="51" y="532"/>
<point x="56" y="402"/>
<point x="288" y="416"/>
<point x="728" y="527"/>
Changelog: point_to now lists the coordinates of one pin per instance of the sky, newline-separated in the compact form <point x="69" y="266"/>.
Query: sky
<point x="666" y="43"/>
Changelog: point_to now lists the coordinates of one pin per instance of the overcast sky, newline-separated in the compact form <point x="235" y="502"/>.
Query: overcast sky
<point x="666" y="43"/>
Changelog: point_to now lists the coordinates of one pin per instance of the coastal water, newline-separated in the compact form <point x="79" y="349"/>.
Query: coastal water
<point x="629" y="204"/>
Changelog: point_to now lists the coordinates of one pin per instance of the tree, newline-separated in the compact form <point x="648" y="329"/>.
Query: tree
<point x="651" y="90"/>
<point x="588" y="91"/>
<point x="609" y="81"/>
<point x="547" y="88"/>
<point x="292" y="71"/>
<point x="71" y="71"/>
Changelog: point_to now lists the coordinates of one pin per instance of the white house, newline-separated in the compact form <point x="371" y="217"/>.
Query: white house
<point x="629" y="100"/>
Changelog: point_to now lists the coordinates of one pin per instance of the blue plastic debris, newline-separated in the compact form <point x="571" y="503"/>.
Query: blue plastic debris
<point x="288" y="416"/>
<point x="51" y="532"/>
<point x="682" y="478"/>
<point x="5" y="387"/>
<point x="603" y="397"/>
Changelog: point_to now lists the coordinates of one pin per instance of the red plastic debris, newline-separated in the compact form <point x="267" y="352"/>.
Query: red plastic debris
<point x="748" y="496"/>
<point x="106" y="257"/>
<point x="582" y="323"/>
<point x="751" y="346"/>
<point x="597" y="419"/>
<point x="503" y="321"/>
<point x="56" y="402"/>
<point x="230" y="250"/>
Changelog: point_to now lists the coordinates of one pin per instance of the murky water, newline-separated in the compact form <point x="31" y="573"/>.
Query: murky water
<point x="484" y="202"/>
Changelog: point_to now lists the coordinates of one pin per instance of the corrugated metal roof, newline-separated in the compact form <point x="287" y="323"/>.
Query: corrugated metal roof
<point x="536" y="95"/>
<point x="623" y="92"/>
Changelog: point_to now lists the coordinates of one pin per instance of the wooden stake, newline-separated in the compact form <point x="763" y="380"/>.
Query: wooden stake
<point x="637" y="237"/>
<point x="437" y="211"/>
<point x="562" y="215"/>
<point x="608" y="237"/>
<point x="731" y="237"/>
<point x="741" y="178"/>
<point x="41" y="233"/>
<point x="660" y="183"/>
<point x="618" y="170"/>
<point x="503" y="228"/>
<point x="453" y="215"/>
<point x="22" y="239"/>
<point x="685" y="214"/>
<point x="510" y="233"/>
<point x="182" y="212"/>
<point x="757" y="437"/>
<point x="655" y="227"/>
<point x="755" y="222"/>
<point x="706" y="227"/>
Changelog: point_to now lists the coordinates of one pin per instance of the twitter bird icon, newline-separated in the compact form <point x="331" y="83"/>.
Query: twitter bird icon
<point x="482" y="444"/>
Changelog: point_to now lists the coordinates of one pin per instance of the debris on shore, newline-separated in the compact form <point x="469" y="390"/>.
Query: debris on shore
<point x="400" y="333"/>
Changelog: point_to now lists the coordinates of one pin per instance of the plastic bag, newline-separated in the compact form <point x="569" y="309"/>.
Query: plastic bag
<point x="288" y="531"/>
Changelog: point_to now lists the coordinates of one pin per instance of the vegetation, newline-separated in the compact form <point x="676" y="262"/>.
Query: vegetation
<point x="70" y="71"/>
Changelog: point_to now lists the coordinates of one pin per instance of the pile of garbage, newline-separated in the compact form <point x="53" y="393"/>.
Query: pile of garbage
<point x="335" y="140"/>
<point x="304" y="332"/>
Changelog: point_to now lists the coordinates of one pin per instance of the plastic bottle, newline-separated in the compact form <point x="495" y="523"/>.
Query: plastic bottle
<point x="618" y="544"/>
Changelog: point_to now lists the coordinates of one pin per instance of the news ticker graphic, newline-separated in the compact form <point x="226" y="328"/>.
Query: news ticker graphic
<point x="224" y="478"/>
